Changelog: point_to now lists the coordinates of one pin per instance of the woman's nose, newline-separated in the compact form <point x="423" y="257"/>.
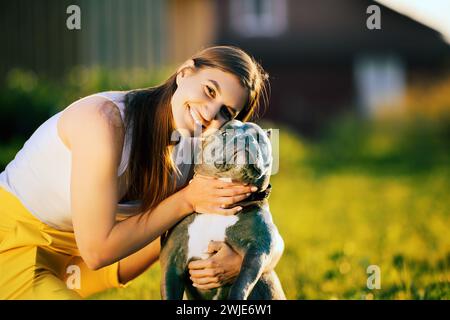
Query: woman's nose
<point x="212" y="116"/>
<point x="211" y="112"/>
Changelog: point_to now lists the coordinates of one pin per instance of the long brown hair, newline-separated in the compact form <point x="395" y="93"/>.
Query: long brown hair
<point x="149" y="122"/>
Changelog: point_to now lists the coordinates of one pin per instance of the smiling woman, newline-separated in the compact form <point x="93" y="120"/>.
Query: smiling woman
<point x="115" y="147"/>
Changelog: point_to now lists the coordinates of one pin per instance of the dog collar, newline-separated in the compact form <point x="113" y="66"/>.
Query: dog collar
<point x="256" y="197"/>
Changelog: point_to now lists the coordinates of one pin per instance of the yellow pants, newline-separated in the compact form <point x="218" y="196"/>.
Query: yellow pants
<point x="40" y="262"/>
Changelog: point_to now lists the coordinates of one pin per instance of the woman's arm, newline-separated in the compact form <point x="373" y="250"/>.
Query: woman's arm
<point x="137" y="263"/>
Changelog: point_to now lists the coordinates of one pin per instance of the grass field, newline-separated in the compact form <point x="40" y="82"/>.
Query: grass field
<point x="337" y="222"/>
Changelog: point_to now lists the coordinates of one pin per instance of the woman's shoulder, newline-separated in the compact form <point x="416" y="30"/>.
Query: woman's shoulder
<point x="93" y="113"/>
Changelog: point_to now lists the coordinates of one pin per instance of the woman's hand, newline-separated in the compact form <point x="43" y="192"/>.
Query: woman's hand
<point x="221" y="268"/>
<point x="211" y="195"/>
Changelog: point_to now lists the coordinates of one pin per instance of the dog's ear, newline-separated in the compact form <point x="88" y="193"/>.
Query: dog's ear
<point x="269" y="132"/>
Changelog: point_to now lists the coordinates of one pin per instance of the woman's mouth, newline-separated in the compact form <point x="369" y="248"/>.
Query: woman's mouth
<point x="196" y="119"/>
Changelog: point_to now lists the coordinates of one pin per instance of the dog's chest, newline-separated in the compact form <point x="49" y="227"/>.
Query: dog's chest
<point x="206" y="228"/>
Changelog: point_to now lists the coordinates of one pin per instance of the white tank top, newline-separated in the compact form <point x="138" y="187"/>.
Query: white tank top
<point x="39" y="175"/>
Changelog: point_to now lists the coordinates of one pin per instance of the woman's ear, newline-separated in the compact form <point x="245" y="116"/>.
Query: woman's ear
<point x="186" y="68"/>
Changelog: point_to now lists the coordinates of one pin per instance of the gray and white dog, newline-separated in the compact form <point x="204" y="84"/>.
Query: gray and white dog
<point x="239" y="152"/>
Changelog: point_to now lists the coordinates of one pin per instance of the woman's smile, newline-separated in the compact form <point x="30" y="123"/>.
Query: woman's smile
<point x="196" y="119"/>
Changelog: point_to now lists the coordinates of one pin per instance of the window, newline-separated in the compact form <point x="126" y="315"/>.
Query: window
<point x="380" y="82"/>
<point x="255" y="18"/>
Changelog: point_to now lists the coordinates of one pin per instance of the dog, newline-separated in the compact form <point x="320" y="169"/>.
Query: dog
<point x="238" y="152"/>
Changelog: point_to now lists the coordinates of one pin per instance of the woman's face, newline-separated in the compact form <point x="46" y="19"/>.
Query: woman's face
<point x="205" y="99"/>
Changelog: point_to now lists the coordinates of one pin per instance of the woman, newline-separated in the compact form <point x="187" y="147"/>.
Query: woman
<point x="61" y="232"/>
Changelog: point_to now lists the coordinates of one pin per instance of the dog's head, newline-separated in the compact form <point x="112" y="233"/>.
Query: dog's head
<point x="239" y="151"/>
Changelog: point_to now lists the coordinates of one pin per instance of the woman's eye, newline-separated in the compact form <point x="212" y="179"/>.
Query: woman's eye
<point x="211" y="92"/>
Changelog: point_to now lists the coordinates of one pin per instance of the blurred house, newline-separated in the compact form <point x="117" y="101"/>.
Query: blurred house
<point x="322" y="58"/>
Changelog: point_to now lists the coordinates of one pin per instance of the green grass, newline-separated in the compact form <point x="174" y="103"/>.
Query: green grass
<point x="336" y="223"/>
<point x="340" y="224"/>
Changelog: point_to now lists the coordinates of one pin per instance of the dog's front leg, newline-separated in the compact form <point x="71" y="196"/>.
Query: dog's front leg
<point x="172" y="282"/>
<point x="252" y="267"/>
